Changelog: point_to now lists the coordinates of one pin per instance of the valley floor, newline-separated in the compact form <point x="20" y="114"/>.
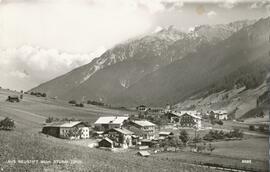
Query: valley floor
<point x="26" y="143"/>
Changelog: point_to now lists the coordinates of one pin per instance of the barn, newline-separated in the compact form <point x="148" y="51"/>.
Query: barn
<point x="63" y="129"/>
<point x="106" y="143"/>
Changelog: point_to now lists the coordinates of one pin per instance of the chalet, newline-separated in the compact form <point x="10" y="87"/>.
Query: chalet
<point x="155" y="112"/>
<point x="120" y="136"/>
<point x="220" y="114"/>
<point x="108" y="122"/>
<point x="13" y="99"/>
<point x="185" y="118"/>
<point x="143" y="128"/>
<point x="106" y="143"/>
<point x="71" y="129"/>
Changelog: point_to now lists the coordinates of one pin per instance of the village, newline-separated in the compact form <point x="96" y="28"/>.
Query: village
<point x="190" y="135"/>
<point x="148" y="130"/>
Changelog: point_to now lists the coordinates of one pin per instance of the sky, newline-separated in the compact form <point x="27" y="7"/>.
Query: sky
<point x="42" y="39"/>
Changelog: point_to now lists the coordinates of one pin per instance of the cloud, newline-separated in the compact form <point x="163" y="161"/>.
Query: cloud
<point x="228" y="4"/>
<point x="72" y="26"/>
<point x="211" y="14"/>
<point x="28" y="66"/>
<point x="157" y="29"/>
<point x="260" y="4"/>
<point x="18" y="74"/>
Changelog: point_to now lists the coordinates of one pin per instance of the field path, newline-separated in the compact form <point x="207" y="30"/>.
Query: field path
<point x="25" y="112"/>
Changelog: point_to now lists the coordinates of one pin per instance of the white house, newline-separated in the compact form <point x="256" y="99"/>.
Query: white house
<point x="143" y="128"/>
<point x="186" y="119"/>
<point x="63" y="129"/>
<point x="220" y="114"/>
<point x="109" y="122"/>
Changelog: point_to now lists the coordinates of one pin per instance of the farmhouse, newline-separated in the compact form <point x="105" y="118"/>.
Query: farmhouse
<point x="13" y="99"/>
<point x="154" y="112"/>
<point x="220" y="114"/>
<point x="108" y="122"/>
<point x="141" y="108"/>
<point x="71" y="129"/>
<point x="143" y="128"/>
<point x="185" y="118"/>
<point x="120" y="136"/>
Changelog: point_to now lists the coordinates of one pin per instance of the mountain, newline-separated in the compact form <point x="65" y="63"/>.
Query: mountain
<point x="128" y="73"/>
<point x="243" y="58"/>
<point x="221" y="31"/>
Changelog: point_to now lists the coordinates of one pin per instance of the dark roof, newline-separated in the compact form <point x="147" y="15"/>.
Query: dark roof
<point x="144" y="153"/>
<point x="107" y="139"/>
<point x="13" y="97"/>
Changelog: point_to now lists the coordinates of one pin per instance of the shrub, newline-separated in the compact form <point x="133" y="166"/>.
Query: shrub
<point x="252" y="128"/>
<point x="43" y="95"/>
<point x="92" y="102"/>
<point x="210" y="147"/>
<point x="7" y="124"/>
<point x="235" y="133"/>
<point x="79" y="105"/>
<point x="261" y="128"/>
<point x="72" y="102"/>
<point x="219" y="122"/>
<point x="219" y="135"/>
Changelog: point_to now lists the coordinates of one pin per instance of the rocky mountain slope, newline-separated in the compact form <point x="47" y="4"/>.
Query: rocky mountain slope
<point x="155" y="69"/>
<point x="242" y="59"/>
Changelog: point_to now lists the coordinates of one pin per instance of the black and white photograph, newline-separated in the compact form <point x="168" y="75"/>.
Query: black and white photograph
<point x="134" y="85"/>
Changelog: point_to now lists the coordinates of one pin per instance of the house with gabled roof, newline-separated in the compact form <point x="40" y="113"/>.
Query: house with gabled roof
<point x="105" y="143"/>
<point x="143" y="153"/>
<point x="67" y="129"/>
<point x="120" y="136"/>
<point x="108" y="122"/>
<point x="142" y="128"/>
<point x="190" y="119"/>
<point x="220" y="114"/>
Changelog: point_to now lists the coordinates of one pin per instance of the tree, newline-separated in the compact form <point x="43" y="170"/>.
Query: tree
<point x="49" y="119"/>
<point x="212" y="118"/>
<point x="197" y="139"/>
<point x="201" y="148"/>
<point x="175" y="142"/>
<point x="7" y="124"/>
<point x="184" y="137"/>
<point x="210" y="147"/>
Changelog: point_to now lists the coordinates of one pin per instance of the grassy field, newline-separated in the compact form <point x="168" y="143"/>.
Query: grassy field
<point x="17" y="146"/>
<point x="25" y="143"/>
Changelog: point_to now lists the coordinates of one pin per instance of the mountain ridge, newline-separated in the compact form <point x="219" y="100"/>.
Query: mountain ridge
<point x="130" y="63"/>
